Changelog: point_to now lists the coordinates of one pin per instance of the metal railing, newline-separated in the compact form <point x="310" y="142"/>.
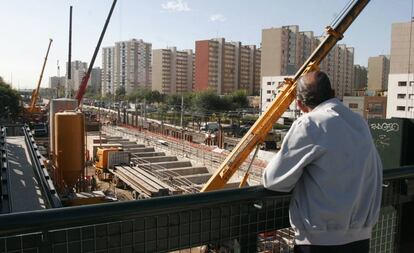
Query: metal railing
<point x="5" y="198"/>
<point x="250" y="219"/>
<point x="48" y="188"/>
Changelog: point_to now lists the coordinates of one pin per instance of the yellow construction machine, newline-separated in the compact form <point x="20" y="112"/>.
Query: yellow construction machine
<point x="258" y="132"/>
<point x="102" y="155"/>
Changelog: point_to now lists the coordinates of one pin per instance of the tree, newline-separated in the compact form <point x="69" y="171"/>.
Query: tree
<point x="239" y="99"/>
<point x="150" y="96"/>
<point x="9" y="101"/>
<point x="120" y="93"/>
<point x="207" y="101"/>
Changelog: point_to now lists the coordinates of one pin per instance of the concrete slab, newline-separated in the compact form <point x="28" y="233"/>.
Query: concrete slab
<point x="149" y="154"/>
<point x="141" y="150"/>
<point x="189" y="171"/>
<point x="197" y="178"/>
<point x="132" y="145"/>
<point x="157" y="159"/>
<point x="168" y="165"/>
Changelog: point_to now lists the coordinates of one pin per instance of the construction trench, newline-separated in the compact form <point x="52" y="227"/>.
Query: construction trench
<point x="157" y="165"/>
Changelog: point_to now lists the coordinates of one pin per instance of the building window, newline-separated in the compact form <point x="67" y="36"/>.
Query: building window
<point x="353" y="105"/>
<point x="268" y="100"/>
<point x="411" y="96"/>
<point x="411" y="83"/>
<point x="401" y="83"/>
<point x="375" y="108"/>
<point x="400" y="108"/>
<point x="411" y="109"/>
<point x="400" y="95"/>
<point x="268" y="91"/>
<point x="269" y="83"/>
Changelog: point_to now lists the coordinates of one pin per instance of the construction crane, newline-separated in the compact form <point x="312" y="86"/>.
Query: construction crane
<point x="85" y="79"/>
<point x="257" y="133"/>
<point x="35" y="93"/>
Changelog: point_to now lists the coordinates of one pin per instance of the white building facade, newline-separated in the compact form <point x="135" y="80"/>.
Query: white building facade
<point x="127" y="65"/>
<point x="356" y="104"/>
<point x="270" y="88"/>
<point x="400" y="100"/>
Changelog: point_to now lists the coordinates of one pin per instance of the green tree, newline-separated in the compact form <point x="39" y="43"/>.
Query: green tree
<point x="207" y="101"/>
<point x="151" y="96"/>
<point x="239" y="99"/>
<point x="120" y="93"/>
<point x="9" y="101"/>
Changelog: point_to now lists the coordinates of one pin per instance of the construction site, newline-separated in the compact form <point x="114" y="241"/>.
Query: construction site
<point x="112" y="180"/>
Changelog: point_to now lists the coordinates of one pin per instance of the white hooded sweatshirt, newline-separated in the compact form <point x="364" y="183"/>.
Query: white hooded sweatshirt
<point x="329" y="160"/>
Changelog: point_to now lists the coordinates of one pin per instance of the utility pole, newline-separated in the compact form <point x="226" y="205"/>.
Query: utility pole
<point x="145" y="109"/>
<point x="182" y="111"/>
<point x="136" y="112"/>
<point x="58" y="84"/>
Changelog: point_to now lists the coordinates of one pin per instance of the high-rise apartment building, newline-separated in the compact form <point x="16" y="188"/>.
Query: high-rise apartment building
<point x="172" y="70"/>
<point x="56" y="82"/>
<point x="378" y="70"/>
<point x="285" y="49"/>
<point x="107" y="71"/>
<point x="360" y="77"/>
<point x="127" y="65"/>
<point x="78" y="71"/>
<point x="400" y="98"/>
<point x="339" y="65"/>
<point x="226" y="66"/>
<point x="95" y="81"/>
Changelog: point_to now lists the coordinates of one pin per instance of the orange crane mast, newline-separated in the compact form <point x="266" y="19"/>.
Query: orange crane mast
<point x="257" y="133"/>
<point x="35" y="93"/>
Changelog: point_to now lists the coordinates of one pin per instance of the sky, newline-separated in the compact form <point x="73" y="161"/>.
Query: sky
<point x="27" y="25"/>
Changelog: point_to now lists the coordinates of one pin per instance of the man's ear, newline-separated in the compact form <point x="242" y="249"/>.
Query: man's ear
<point x="302" y="107"/>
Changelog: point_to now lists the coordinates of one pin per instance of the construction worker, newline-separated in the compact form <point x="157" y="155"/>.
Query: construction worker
<point x="329" y="160"/>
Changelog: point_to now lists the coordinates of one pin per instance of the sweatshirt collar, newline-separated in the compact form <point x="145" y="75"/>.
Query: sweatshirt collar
<point x="328" y="103"/>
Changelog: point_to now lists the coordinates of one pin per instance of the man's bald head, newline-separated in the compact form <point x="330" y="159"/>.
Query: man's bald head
<point x="313" y="89"/>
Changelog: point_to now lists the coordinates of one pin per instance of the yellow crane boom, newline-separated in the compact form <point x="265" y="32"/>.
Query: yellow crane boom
<point x="35" y="93"/>
<point x="264" y="124"/>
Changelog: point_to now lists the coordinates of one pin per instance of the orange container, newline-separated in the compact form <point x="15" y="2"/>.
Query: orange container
<point x="69" y="140"/>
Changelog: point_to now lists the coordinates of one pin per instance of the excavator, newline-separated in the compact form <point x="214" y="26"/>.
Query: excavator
<point x="258" y="132"/>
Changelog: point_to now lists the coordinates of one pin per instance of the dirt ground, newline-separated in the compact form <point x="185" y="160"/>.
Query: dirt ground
<point x="110" y="190"/>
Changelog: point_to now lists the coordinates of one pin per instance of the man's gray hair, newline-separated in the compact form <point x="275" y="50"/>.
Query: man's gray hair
<point x="313" y="89"/>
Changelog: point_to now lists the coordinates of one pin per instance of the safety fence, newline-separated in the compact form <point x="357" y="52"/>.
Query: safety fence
<point x="5" y="203"/>
<point x="249" y="219"/>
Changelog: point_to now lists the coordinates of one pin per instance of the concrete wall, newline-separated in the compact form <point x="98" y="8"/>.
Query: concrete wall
<point x="356" y="104"/>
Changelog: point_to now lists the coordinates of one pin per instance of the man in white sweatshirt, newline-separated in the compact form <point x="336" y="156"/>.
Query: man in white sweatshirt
<point x="330" y="162"/>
